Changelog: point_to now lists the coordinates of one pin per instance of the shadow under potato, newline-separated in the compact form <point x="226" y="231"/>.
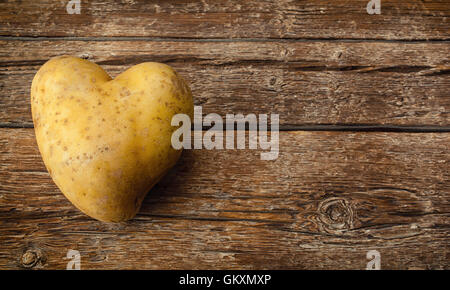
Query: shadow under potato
<point x="159" y="200"/>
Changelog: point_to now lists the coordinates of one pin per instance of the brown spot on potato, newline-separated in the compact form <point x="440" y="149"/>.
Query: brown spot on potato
<point x="125" y="92"/>
<point x="117" y="173"/>
<point x="145" y="131"/>
<point x="36" y="121"/>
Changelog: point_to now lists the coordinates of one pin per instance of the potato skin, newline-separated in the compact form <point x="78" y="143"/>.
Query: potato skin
<point x="107" y="142"/>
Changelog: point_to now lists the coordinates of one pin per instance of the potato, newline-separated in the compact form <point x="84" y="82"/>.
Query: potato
<point x="107" y="142"/>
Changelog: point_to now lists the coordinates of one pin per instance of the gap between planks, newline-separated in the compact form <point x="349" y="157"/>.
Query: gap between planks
<point x="319" y="127"/>
<point x="184" y="39"/>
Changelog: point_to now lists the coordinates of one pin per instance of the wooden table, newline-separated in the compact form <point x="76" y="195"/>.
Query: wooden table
<point x="364" y="135"/>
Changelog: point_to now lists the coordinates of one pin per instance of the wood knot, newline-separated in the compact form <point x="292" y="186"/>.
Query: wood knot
<point x="32" y="258"/>
<point x="336" y="215"/>
<point x="85" y="56"/>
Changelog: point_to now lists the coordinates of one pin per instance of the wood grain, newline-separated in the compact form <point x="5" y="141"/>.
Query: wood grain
<point x="399" y="20"/>
<point x="328" y="199"/>
<point x="311" y="82"/>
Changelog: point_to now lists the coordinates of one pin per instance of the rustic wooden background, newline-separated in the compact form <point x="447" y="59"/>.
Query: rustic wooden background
<point x="364" y="144"/>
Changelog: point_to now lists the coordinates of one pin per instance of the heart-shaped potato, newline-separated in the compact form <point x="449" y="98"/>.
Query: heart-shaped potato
<point x="107" y="142"/>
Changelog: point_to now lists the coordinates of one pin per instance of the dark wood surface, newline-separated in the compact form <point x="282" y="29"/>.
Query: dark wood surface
<point x="364" y="144"/>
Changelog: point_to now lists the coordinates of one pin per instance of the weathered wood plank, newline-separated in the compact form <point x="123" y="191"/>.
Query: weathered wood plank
<point x="328" y="199"/>
<point x="406" y="20"/>
<point x="310" y="82"/>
